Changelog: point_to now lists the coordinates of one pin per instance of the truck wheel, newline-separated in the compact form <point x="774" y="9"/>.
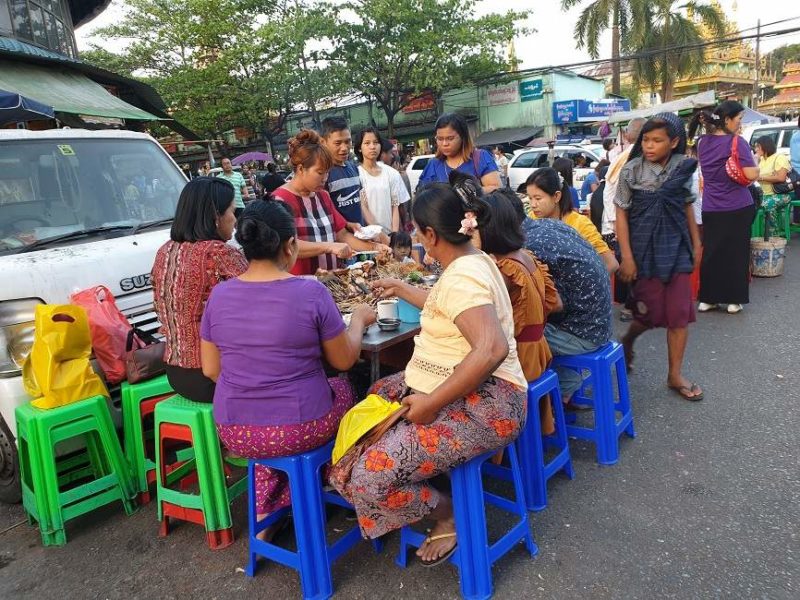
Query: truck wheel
<point x="10" y="491"/>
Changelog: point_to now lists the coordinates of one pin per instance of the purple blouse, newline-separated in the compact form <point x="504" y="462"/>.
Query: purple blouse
<point x="720" y="192"/>
<point x="270" y="336"/>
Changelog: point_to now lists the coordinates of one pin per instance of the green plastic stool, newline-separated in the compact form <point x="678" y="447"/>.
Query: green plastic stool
<point x="180" y="419"/>
<point x="783" y="228"/>
<point x="793" y="227"/>
<point x="43" y="480"/>
<point x="138" y="402"/>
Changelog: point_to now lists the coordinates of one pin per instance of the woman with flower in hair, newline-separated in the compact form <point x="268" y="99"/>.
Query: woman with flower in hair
<point x="464" y="386"/>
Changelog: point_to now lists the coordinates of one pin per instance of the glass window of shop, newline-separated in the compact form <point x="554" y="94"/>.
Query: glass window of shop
<point x="41" y="22"/>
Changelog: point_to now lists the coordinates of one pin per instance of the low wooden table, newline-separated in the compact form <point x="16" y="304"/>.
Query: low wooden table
<point x="376" y="340"/>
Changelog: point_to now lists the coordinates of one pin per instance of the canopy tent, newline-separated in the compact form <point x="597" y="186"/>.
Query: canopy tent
<point x="251" y="156"/>
<point x="753" y="117"/>
<point x="15" y="108"/>
<point x="67" y="92"/>
<point x="516" y="136"/>
<point x="700" y="100"/>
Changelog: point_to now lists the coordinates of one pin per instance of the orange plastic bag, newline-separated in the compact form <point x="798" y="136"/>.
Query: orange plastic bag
<point x="57" y="370"/>
<point x="109" y="329"/>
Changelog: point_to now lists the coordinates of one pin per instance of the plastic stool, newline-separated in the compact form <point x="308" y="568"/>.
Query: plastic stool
<point x="44" y="500"/>
<point x="179" y="419"/>
<point x="474" y="556"/>
<point x="138" y="402"/>
<point x="314" y="557"/>
<point x="606" y="429"/>
<point x="531" y="444"/>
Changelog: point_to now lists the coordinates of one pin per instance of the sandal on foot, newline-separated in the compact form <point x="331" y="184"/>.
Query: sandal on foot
<point x="444" y="557"/>
<point x="692" y="392"/>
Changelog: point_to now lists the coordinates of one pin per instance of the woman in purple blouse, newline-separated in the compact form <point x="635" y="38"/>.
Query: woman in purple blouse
<point x="264" y="335"/>
<point x="728" y="209"/>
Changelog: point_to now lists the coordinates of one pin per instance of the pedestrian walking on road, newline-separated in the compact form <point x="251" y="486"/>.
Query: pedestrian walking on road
<point x="237" y="181"/>
<point x="659" y="240"/>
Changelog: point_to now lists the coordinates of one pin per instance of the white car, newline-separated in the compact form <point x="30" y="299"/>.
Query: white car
<point x="525" y="163"/>
<point x="780" y="132"/>
<point x="415" y="168"/>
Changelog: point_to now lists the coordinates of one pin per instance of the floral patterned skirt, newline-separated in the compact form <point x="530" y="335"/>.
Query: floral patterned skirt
<point x="268" y="441"/>
<point x="388" y="486"/>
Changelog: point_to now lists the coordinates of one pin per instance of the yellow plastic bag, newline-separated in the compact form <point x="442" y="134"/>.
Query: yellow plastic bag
<point x="58" y="371"/>
<point x="358" y="421"/>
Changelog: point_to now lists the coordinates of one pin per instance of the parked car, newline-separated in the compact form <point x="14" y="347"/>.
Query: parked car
<point x="415" y="168"/>
<point x="780" y="132"/>
<point x="525" y="163"/>
<point x="77" y="209"/>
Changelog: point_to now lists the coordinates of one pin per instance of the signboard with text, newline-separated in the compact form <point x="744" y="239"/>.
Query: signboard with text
<point x="422" y="102"/>
<point x="565" y="112"/>
<point x="582" y="111"/>
<point x="531" y="90"/>
<point x="503" y="94"/>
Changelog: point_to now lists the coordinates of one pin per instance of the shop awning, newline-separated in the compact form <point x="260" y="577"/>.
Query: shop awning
<point x="700" y="100"/>
<point x="510" y="135"/>
<point x="67" y="91"/>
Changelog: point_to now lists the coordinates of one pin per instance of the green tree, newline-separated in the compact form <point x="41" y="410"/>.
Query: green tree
<point x="782" y="55"/>
<point x="600" y="15"/>
<point x="672" y="29"/>
<point x="391" y="49"/>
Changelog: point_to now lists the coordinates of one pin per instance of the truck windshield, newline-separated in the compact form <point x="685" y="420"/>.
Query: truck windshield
<point x="51" y="188"/>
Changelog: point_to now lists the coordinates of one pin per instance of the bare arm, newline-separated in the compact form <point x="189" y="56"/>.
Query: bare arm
<point x="627" y="270"/>
<point x="395" y="218"/>
<point x="694" y="232"/>
<point x="610" y="261"/>
<point x="400" y="289"/>
<point x="345" y="237"/>
<point x="488" y="348"/>
<point x="343" y="351"/>
<point x="209" y="359"/>
<point x="312" y="249"/>
<point x="778" y="176"/>
<point x="751" y="172"/>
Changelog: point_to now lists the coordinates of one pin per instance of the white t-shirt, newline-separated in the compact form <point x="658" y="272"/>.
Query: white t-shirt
<point x="382" y="193"/>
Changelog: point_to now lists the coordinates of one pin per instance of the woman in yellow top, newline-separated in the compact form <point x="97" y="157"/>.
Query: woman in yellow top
<point x="773" y="168"/>
<point x="464" y="385"/>
<point x="550" y="198"/>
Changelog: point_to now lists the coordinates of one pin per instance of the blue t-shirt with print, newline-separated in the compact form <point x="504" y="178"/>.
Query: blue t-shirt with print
<point x="580" y="276"/>
<point x="437" y="170"/>
<point x="344" y="187"/>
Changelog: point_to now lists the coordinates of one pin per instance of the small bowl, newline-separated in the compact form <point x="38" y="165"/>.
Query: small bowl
<point x="430" y="279"/>
<point x="389" y="324"/>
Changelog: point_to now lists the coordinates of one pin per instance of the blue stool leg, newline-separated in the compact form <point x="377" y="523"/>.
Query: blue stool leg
<point x="531" y="455"/>
<point x="252" y="518"/>
<point x="309" y="524"/>
<point x="605" y="427"/>
<point x="519" y="498"/>
<point x="624" y="396"/>
<point x="474" y="565"/>
<point x="560" y="435"/>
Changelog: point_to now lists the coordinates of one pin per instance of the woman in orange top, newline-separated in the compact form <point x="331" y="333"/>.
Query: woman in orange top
<point x="532" y="291"/>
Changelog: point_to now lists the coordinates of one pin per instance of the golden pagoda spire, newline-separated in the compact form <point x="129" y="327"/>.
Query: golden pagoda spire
<point x="512" y="61"/>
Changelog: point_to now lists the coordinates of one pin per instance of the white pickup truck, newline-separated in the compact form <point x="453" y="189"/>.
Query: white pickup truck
<point x="77" y="208"/>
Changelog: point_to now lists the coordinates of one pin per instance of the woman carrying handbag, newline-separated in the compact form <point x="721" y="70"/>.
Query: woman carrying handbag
<point x="728" y="169"/>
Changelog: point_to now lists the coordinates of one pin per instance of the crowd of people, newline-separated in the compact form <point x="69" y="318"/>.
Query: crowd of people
<point x="517" y="287"/>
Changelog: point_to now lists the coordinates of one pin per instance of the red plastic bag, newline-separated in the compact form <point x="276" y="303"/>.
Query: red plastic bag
<point x="109" y="329"/>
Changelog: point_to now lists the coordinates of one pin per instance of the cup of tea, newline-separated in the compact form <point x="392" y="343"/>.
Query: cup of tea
<point x="387" y="309"/>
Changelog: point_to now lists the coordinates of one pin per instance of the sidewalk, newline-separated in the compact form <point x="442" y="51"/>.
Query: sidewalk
<point x="704" y="503"/>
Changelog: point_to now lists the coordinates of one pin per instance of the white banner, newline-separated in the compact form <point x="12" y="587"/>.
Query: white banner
<point x="504" y="94"/>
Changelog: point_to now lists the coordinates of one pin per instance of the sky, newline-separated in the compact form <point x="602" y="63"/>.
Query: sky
<point x="553" y="41"/>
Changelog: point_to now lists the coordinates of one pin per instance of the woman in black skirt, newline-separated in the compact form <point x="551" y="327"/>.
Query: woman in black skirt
<point x="728" y="210"/>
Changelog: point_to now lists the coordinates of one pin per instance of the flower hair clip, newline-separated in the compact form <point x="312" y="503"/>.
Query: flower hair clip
<point x="468" y="224"/>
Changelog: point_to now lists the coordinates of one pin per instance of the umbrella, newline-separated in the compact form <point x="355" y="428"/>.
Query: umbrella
<point x="248" y="156"/>
<point x="16" y="108"/>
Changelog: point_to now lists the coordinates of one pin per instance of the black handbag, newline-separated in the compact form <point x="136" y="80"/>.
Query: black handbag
<point x="791" y="185"/>
<point x="144" y="356"/>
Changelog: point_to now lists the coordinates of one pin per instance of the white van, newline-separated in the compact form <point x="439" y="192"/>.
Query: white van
<point x="77" y="208"/>
<point x="780" y="132"/>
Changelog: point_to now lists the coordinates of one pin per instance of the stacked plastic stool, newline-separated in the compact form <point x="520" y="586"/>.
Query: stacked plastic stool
<point x="178" y="419"/>
<point x="532" y="445"/>
<point x="314" y="556"/>
<point x="474" y="556"/>
<point x="45" y="499"/>
<point x="607" y="427"/>
<point x="138" y="403"/>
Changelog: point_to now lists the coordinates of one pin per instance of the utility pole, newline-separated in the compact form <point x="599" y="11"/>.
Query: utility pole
<point x="758" y="66"/>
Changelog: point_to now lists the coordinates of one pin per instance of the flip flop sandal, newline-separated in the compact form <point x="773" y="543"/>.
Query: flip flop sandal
<point x="445" y="556"/>
<point x="692" y="393"/>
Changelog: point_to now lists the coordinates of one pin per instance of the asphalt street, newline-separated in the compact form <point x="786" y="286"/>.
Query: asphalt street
<point x="704" y="503"/>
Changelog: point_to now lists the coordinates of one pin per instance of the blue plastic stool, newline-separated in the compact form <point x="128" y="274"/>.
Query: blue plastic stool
<point x="474" y="556"/>
<point x="606" y="429"/>
<point x="314" y="557"/>
<point x="531" y="444"/>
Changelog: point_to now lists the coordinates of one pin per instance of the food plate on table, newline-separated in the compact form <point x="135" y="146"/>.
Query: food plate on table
<point x="369" y="232"/>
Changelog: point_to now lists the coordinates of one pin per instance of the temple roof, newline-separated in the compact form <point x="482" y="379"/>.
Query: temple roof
<point x="83" y="11"/>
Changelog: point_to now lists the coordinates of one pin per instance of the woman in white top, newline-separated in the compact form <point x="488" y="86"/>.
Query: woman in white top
<point x="464" y="386"/>
<point x="381" y="197"/>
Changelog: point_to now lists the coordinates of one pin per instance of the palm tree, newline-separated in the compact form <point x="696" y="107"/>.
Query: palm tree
<point x="596" y="18"/>
<point x="672" y="28"/>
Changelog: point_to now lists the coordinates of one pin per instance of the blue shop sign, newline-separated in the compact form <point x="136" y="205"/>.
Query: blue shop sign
<point x="565" y="112"/>
<point x="574" y="111"/>
<point x="531" y="90"/>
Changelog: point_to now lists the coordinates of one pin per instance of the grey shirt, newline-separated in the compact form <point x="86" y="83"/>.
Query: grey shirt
<point x="641" y="174"/>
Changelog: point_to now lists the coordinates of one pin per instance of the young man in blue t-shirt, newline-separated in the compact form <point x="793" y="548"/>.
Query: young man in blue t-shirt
<point x="344" y="185"/>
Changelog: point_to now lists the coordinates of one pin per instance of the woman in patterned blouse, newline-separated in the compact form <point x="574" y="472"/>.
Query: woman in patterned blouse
<point x="194" y="260"/>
